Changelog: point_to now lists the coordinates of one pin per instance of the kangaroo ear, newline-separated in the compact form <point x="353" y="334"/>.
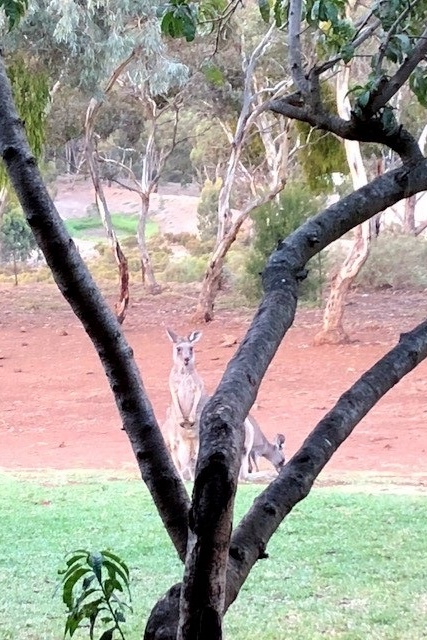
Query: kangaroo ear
<point x="172" y="336"/>
<point x="280" y="440"/>
<point x="194" y="336"/>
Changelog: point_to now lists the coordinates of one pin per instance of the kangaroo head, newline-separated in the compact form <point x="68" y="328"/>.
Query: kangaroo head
<point x="183" y="350"/>
<point x="278" y="457"/>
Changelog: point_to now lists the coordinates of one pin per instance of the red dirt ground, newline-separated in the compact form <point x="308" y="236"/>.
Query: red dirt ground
<point x="56" y="409"/>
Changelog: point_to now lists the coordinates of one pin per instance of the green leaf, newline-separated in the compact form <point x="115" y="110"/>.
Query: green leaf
<point x="85" y="594"/>
<point x="405" y="42"/>
<point x="67" y="591"/>
<point x="388" y="118"/>
<point x="114" y="569"/>
<point x="118" y="559"/>
<point x="278" y="13"/>
<point x="107" y="635"/>
<point x="329" y="11"/>
<point x="314" y="14"/>
<point x="264" y="9"/>
<point x="77" y="554"/>
<point x="119" y="615"/>
<point x="347" y="52"/>
<point x="363" y="99"/>
<point x="110" y="584"/>
<point x="418" y="84"/>
<point x="88" y="581"/>
<point x="72" y="569"/>
<point x="189" y="30"/>
<point x="72" y="623"/>
<point x="14" y="10"/>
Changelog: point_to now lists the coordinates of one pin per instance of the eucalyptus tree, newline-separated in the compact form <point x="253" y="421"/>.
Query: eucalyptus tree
<point x="92" y="45"/>
<point x="158" y="140"/>
<point x="217" y="558"/>
<point x="263" y="174"/>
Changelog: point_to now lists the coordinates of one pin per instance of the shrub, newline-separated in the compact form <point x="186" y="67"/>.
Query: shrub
<point x="194" y="245"/>
<point x="274" y="222"/>
<point x="95" y="590"/>
<point x="188" y="269"/>
<point x="397" y="261"/>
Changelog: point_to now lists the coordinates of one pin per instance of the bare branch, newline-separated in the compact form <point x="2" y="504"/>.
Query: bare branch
<point x="117" y="163"/>
<point x="295" y="57"/>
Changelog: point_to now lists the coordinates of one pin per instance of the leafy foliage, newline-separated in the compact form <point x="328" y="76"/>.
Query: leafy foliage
<point x="332" y="31"/>
<point x="91" y="582"/>
<point x="31" y="95"/>
<point x="272" y="223"/>
<point x="321" y="155"/>
<point x="14" y="10"/>
<point x="181" y="18"/>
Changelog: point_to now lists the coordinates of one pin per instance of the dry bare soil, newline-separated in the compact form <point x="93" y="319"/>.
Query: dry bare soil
<point x="56" y="409"/>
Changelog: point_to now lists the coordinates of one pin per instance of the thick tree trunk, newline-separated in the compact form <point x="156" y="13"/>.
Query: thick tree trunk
<point x="148" y="277"/>
<point x="333" y="330"/>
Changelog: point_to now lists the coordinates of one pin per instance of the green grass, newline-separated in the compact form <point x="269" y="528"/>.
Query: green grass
<point x="122" y="223"/>
<point x="343" y="565"/>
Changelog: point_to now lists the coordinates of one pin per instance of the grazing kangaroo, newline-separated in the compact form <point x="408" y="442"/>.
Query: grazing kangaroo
<point x="272" y="451"/>
<point x="181" y="427"/>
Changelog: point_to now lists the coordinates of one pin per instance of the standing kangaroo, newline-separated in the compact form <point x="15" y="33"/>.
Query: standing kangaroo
<point x="181" y="428"/>
<point x="185" y="384"/>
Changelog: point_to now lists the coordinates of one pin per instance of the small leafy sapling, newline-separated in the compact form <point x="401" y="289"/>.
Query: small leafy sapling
<point x="95" y="587"/>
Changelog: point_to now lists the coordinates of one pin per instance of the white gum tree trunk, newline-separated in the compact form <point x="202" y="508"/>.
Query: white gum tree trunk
<point x="333" y="331"/>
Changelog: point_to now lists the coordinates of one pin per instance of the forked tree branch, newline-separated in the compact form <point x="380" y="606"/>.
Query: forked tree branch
<point x="250" y="538"/>
<point x="221" y="424"/>
<point x="398" y="138"/>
